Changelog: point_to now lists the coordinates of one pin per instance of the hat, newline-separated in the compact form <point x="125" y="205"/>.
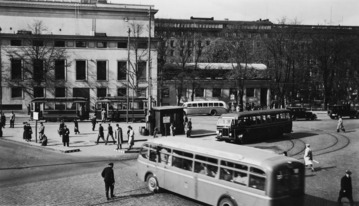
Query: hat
<point x="348" y="172"/>
<point x="308" y="145"/>
<point x="110" y="164"/>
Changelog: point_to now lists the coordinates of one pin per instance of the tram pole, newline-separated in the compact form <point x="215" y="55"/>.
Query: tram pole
<point x="128" y="73"/>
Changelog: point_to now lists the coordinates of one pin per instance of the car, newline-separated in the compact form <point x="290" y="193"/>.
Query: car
<point x="301" y="113"/>
<point x="334" y="111"/>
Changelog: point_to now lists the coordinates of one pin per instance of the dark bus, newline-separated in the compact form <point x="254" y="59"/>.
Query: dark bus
<point x="58" y="108"/>
<point x="243" y="127"/>
<point x="116" y="108"/>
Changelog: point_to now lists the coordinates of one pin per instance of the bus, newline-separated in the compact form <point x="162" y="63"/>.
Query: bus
<point x="205" y="108"/>
<point x="116" y="108"/>
<point x="60" y="108"/>
<point x="243" y="127"/>
<point x="221" y="174"/>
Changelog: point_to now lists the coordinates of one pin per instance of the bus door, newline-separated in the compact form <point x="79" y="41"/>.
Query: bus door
<point x="180" y="177"/>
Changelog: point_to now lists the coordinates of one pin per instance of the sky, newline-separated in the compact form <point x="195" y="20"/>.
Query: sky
<point x="306" y="12"/>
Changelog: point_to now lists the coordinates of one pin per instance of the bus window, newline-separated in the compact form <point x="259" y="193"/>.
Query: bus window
<point x="144" y="151"/>
<point x="182" y="163"/>
<point x="188" y="105"/>
<point x="256" y="182"/>
<point x="211" y="104"/>
<point x="200" y="105"/>
<point x="216" y="104"/>
<point x="153" y="156"/>
<point x="257" y="171"/>
<point x="282" y="182"/>
<point x="240" y="178"/>
<point x="164" y="156"/>
<point x="225" y="174"/>
<point x="234" y="165"/>
<point x="194" y="105"/>
<point x="205" y="169"/>
<point x="205" y="104"/>
<point x="221" y="104"/>
<point x="207" y="159"/>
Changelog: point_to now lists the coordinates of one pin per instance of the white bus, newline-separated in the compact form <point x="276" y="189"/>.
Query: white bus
<point x="205" y="107"/>
<point x="221" y="174"/>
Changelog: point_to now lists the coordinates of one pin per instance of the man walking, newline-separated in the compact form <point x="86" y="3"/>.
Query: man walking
<point x="110" y="133"/>
<point x="93" y="121"/>
<point x="119" y="137"/>
<point x="41" y="131"/>
<point x="340" y="125"/>
<point x="346" y="188"/>
<point x="308" y="157"/>
<point x="109" y="179"/>
<point x="12" y="120"/>
<point x="100" y="133"/>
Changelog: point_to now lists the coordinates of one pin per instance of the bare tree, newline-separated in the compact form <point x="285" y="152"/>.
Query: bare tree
<point x="37" y="60"/>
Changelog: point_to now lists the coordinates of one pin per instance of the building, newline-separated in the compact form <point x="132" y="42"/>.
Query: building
<point x="186" y="37"/>
<point x="83" y="48"/>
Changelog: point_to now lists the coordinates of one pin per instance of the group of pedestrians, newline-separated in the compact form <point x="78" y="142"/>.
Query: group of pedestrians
<point x="27" y="134"/>
<point x="118" y="135"/>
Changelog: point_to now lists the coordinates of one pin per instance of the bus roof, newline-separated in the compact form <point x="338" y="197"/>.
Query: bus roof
<point x="251" y="113"/>
<point x="59" y="99"/>
<point x="222" y="150"/>
<point x="204" y="101"/>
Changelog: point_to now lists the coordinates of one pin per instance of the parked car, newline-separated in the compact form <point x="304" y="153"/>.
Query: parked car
<point x="342" y="110"/>
<point x="301" y="113"/>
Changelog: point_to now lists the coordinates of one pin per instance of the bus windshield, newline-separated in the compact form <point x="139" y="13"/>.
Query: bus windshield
<point x="224" y="121"/>
<point x="287" y="181"/>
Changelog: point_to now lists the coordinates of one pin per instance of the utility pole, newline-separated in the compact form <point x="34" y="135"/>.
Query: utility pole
<point x="149" y="63"/>
<point x="128" y="73"/>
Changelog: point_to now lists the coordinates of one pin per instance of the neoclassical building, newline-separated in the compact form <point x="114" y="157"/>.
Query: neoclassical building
<point x="91" y="48"/>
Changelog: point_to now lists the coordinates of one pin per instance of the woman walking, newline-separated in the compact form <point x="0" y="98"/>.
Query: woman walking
<point x="131" y="137"/>
<point x="76" y="128"/>
<point x="308" y="157"/>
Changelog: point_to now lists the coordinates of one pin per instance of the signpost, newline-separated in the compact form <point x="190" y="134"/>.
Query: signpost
<point x="35" y="116"/>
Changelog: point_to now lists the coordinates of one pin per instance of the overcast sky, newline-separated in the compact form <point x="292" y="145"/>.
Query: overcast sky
<point x="323" y="12"/>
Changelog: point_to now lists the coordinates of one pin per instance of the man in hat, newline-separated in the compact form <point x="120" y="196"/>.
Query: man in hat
<point x="346" y="188"/>
<point x="109" y="179"/>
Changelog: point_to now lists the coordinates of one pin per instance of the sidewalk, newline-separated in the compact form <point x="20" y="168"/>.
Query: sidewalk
<point x="84" y="144"/>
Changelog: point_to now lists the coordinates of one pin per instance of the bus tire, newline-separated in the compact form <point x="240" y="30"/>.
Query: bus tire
<point x="214" y="112"/>
<point x="152" y="183"/>
<point x="227" y="202"/>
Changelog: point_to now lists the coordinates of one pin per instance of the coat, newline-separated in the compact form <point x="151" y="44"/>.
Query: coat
<point x="100" y="131"/>
<point x="346" y="186"/>
<point x="66" y="135"/>
<point x="108" y="175"/>
<point x="118" y="135"/>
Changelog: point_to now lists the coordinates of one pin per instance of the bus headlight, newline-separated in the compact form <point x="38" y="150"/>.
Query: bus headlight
<point x="217" y="132"/>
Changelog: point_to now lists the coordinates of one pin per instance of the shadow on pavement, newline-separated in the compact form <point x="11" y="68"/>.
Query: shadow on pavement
<point x="317" y="201"/>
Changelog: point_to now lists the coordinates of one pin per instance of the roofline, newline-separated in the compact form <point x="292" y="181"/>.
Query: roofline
<point x="246" y="113"/>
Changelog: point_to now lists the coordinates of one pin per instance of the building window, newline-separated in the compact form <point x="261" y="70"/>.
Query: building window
<point x="101" y="92"/>
<point x="37" y="43"/>
<point x="122" y="45"/>
<point x="216" y="92"/>
<point x="16" y="92"/>
<point x="102" y="44"/>
<point x="121" y="92"/>
<point x="142" y="71"/>
<point x="121" y="70"/>
<point x="60" y="92"/>
<point x="250" y="92"/>
<point x="101" y="70"/>
<point x="38" y="66"/>
<point x="142" y="45"/>
<point x="15" y="42"/>
<point x="141" y="92"/>
<point x="199" y="92"/>
<point x="172" y="43"/>
<point x="80" y="44"/>
<point x="59" y="43"/>
<point x="16" y="69"/>
<point x="38" y="92"/>
<point x="60" y="69"/>
<point x="81" y="70"/>
<point x="165" y="92"/>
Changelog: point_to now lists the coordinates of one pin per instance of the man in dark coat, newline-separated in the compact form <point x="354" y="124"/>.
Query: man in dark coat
<point x="100" y="133"/>
<point x="110" y="133"/>
<point x="346" y="188"/>
<point x="93" y="121"/>
<point x="66" y="136"/>
<point x="119" y="137"/>
<point x="109" y="179"/>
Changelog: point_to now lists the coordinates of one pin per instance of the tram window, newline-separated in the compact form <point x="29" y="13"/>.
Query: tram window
<point x="70" y="106"/>
<point x="189" y="105"/>
<point x="60" y="106"/>
<point x="194" y="104"/>
<point x="256" y="182"/>
<point x="49" y="106"/>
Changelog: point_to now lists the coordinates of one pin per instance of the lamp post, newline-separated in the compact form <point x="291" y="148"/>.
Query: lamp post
<point x="149" y="63"/>
<point x="128" y="73"/>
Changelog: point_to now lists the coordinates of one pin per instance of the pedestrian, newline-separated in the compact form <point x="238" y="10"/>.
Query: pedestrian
<point x="109" y="178"/>
<point x="189" y="128"/>
<point x="346" y="189"/>
<point x="185" y="119"/>
<point x="0" y="131"/>
<point x="76" y="128"/>
<point x="172" y="130"/>
<point x="28" y="109"/>
<point x="131" y="137"/>
<point x="24" y="134"/>
<point x="100" y="133"/>
<point x="61" y="128"/>
<point x="93" y="121"/>
<point x="44" y="140"/>
<point x="66" y="136"/>
<point x="29" y="132"/>
<point x="3" y="120"/>
<point x="12" y="120"/>
<point x="41" y="130"/>
<point x="340" y="125"/>
<point x="308" y="157"/>
<point x="103" y="115"/>
<point x="110" y="133"/>
<point x="119" y="136"/>
<point x="155" y="132"/>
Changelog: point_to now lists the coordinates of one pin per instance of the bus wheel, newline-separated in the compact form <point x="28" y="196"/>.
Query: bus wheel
<point x="226" y="202"/>
<point x="152" y="183"/>
<point x="213" y="112"/>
